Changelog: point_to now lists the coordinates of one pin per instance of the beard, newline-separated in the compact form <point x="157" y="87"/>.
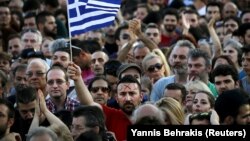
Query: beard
<point x="180" y="69"/>
<point x="50" y="33"/>
<point x="170" y="28"/>
<point x="128" y="108"/>
<point x="3" y="130"/>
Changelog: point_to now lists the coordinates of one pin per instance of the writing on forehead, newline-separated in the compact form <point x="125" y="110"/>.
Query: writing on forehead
<point x="128" y="87"/>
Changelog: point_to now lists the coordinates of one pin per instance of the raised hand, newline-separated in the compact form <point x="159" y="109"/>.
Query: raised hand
<point x="74" y="71"/>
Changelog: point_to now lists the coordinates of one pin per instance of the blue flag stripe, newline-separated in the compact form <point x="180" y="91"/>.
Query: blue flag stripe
<point x="87" y="15"/>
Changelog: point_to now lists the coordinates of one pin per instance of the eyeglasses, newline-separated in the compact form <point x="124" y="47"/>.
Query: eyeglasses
<point x="96" y="89"/>
<point x="58" y="82"/>
<point x="151" y="68"/>
<point x="38" y="74"/>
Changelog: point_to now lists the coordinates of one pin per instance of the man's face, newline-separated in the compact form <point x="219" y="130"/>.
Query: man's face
<point x="230" y="26"/>
<point x="247" y="37"/>
<point x="243" y="117"/>
<point x="175" y="94"/>
<point x="56" y="84"/>
<point x="30" y="40"/>
<point x="229" y="10"/>
<point x="50" y="27"/>
<point x="100" y="91"/>
<point x="223" y="83"/>
<point x="197" y="68"/>
<point x="15" y="47"/>
<point x="212" y="11"/>
<point x="78" y="126"/>
<point x="5" y="66"/>
<point x="141" y="13"/>
<point x="245" y="18"/>
<point x="192" y="19"/>
<point x="246" y="62"/>
<point x="27" y="111"/>
<point x="35" y="74"/>
<point x="170" y="23"/>
<point x="20" y="79"/>
<point x="98" y="59"/>
<point x="124" y="37"/>
<point x="62" y="58"/>
<point x="30" y="23"/>
<point x="153" y="34"/>
<point x="3" y="119"/>
<point x="128" y="97"/>
<point x="139" y="54"/>
<point x="4" y="16"/>
<point x="178" y="60"/>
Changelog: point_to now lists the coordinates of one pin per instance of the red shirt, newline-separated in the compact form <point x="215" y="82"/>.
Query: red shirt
<point x="117" y="122"/>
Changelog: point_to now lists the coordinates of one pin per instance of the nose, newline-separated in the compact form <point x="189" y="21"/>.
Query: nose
<point x="128" y="98"/>
<point x="29" y="115"/>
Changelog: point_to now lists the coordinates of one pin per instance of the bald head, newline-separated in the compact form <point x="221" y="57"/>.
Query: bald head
<point x="230" y="9"/>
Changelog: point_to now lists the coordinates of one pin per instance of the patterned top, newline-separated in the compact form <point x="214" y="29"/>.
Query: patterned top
<point x="70" y="104"/>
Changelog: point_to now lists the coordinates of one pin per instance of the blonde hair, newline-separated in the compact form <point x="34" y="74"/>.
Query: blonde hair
<point x="197" y="85"/>
<point x="172" y="109"/>
<point x="159" y="53"/>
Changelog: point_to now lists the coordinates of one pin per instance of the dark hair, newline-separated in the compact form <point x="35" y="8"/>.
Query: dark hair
<point x="118" y="31"/>
<point x="129" y="79"/>
<point x="177" y="86"/>
<point x="224" y="70"/>
<point x="58" y="67"/>
<point x="111" y="66"/>
<point x="41" y="17"/>
<point x="89" y="136"/>
<point x="3" y="78"/>
<point x="94" y="117"/>
<point x="21" y="67"/>
<point x="171" y="11"/>
<point x="230" y="62"/>
<point x="229" y="102"/>
<point x="30" y="15"/>
<point x="52" y="3"/>
<point x="11" y="109"/>
<point x="197" y="53"/>
<point x="25" y="95"/>
<point x="236" y="19"/>
<point x="246" y="49"/>
<point x="213" y="4"/>
<point x="210" y="96"/>
<point x="98" y="78"/>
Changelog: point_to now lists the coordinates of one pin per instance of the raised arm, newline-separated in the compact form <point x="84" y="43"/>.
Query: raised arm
<point x="135" y="27"/>
<point x="217" y="48"/>
<point x="83" y="94"/>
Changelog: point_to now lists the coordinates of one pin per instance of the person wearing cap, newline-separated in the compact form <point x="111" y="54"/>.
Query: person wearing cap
<point x="129" y="69"/>
<point x="233" y="107"/>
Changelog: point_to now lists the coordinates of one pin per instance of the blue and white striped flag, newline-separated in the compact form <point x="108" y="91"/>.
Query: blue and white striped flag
<point x="87" y="15"/>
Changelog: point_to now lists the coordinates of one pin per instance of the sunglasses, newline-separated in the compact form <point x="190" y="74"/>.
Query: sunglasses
<point x="151" y="68"/>
<point x="96" y="89"/>
<point x="125" y="36"/>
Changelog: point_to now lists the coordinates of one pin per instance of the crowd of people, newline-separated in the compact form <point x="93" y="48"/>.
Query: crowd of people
<point x="162" y="62"/>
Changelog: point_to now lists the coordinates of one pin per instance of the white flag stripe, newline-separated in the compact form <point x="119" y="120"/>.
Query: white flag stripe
<point x="103" y="3"/>
<point x="76" y="5"/>
<point x="95" y="22"/>
<point x="87" y="15"/>
<point x="101" y="8"/>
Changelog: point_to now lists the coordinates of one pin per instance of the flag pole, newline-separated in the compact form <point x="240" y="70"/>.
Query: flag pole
<point x="70" y="44"/>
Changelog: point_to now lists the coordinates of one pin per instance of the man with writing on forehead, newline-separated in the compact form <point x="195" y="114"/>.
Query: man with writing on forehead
<point x="128" y="96"/>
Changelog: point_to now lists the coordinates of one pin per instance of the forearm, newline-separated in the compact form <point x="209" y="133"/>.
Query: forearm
<point x="217" y="49"/>
<point x="122" y="54"/>
<point x="83" y="93"/>
<point x="148" y="42"/>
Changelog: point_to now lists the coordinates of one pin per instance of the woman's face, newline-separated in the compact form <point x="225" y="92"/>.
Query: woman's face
<point x="232" y="53"/>
<point x="45" y="48"/>
<point x="201" y="103"/>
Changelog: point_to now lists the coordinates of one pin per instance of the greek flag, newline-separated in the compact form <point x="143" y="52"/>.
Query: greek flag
<point x="87" y="15"/>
